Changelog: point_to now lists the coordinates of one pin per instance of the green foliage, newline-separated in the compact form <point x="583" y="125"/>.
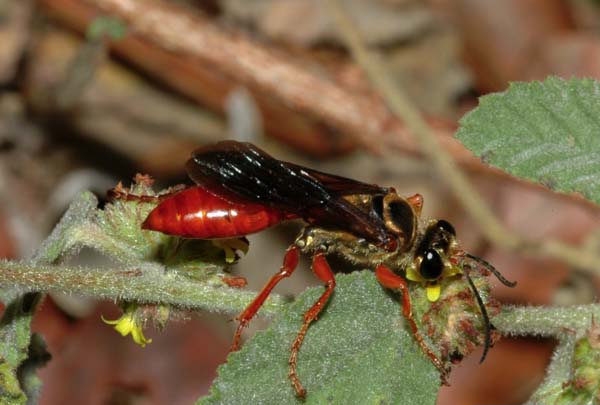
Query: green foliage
<point x="162" y="270"/>
<point x="116" y="232"/>
<point x="547" y="132"/>
<point x="15" y="337"/>
<point x="357" y="352"/>
<point x="584" y="386"/>
<point x="573" y="376"/>
<point x="20" y="353"/>
<point x="62" y="241"/>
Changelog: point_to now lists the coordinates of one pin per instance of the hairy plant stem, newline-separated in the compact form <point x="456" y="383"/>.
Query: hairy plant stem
<point x="148" y="285"/>
<point x="154" y="285"/>
<point x="546" y="321"/>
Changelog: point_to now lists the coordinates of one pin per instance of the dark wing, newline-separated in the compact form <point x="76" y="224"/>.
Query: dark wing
<point x="339" y="185"/>
<point x="244" y="172"/>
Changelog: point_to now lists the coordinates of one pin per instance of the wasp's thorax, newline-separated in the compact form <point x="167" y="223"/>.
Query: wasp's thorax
<point x="423" y="247"/>
<point x="397" y="215"/>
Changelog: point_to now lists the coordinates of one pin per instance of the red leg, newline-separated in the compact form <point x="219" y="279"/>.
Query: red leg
<point x="389" y="279"/>
<point x="290" y="262"/>
<point x="322" y="270"/>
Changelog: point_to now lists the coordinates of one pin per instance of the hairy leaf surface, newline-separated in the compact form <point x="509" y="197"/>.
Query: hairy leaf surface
<point x="357" y="352"/>
<point x="547" y="132"/>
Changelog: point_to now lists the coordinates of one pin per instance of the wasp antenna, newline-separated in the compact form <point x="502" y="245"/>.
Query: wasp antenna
<point x="492" y="270"/>
<point x="484" y="314"/>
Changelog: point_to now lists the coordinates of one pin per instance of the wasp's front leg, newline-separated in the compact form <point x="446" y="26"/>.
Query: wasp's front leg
<point x="391" y="280"/>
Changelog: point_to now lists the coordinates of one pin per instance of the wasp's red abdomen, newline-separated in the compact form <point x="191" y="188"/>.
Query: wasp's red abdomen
<point x="196" y="213"/>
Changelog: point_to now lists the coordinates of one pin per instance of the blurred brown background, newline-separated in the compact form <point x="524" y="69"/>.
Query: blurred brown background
<point x="82" y="110"/>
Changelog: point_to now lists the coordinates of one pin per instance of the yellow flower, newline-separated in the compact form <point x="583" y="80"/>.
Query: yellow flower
<point x="128" y="323"/>
<point x="230" y="246"/>
<point x="432" y="287"/>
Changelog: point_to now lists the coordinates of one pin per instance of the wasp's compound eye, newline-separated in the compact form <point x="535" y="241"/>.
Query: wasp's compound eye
<point x="432" y="265"/>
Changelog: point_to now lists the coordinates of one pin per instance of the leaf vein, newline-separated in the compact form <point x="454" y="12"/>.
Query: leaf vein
<point x="570" y="163"/>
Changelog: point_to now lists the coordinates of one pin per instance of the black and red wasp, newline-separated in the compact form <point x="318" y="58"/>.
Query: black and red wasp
<point x="241" y="190"/>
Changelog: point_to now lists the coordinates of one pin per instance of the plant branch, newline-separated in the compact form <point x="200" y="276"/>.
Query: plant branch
<point x="148" y="285"/>
<point x="566" y="324"/>
<point x="374" y="66"/>
<point x="546" y="321"/>
<point x="558" y="373"/>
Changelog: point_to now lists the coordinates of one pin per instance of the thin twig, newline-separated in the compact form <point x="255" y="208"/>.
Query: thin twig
<point x="374" y="66"/>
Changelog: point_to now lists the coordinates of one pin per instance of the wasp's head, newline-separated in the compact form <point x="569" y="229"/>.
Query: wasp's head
<point x="432" y="257"/>
<point x="437" y="256"/>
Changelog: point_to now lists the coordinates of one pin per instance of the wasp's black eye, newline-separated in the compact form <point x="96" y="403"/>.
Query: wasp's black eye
<point x="446" y="226"/>
<point x="432" y="265"/>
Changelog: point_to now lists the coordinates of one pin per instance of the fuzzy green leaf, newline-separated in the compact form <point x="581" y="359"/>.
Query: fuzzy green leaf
<point x="20" y="352"/>
<point x="80" y="211"/>
<point x="18" y="381"/>
<point x="572" y="376"/>
<point x="547" y="132"/>
<point x="357" y="352"/>
<point x="116" y="230"/>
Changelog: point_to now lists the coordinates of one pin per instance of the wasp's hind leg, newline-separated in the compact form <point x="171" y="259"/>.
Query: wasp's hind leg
<point x="290" y="262"/>
<point x="322" y="270"/>
<point x="391" y="280"/>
